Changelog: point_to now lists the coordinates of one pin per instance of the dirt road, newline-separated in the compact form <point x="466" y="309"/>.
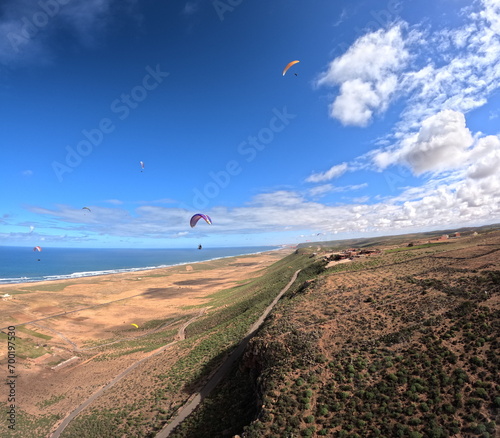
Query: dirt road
<point x="180" y="336"/>
<point x="196" y="399"/>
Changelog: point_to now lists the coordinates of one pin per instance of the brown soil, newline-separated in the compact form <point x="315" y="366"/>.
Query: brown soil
<point x="94" y="310"/>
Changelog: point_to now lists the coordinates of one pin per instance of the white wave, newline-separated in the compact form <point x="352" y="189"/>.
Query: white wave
<point x="114" y="271"/>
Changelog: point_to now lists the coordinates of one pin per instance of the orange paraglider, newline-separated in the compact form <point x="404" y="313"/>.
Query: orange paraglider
<point x="288" y="66"/>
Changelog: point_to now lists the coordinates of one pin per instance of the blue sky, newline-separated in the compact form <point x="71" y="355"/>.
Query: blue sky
<point x="388" y="125"/>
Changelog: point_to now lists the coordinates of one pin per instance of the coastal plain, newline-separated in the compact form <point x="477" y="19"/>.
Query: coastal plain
<point x="73" y="336"/>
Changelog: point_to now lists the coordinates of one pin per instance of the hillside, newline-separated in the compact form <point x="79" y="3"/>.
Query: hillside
<point x="399" y="239"/>
<point x="401" y="344"/>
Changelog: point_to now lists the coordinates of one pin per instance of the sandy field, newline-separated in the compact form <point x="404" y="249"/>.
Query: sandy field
<point x="80" y="314"/>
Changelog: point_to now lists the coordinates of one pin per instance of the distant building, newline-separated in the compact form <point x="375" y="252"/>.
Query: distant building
<point x="6" y="297"/>
<point x="455" y="235"/>
<point x="444" y="237"/>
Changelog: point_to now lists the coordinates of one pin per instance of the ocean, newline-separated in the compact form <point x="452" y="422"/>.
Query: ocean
<point x="21" y="264"/>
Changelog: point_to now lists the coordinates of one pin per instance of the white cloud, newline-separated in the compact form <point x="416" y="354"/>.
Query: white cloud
<point x="444" y="143"/>
<point x="361" y="199"/>
<point x="444" y="202"/>
<point x="279" y="198"/>
<point x="366" y="75"/>
<point x="350" y="188"/>
<point x="441" y="144"/>
<point x="485" y="158"/>
<point x="463" y="72"/>
<point x="320" y="190"/>
<point x="452" y="72"/>
<point x="114" y="201"/>
<point x="333" y="172"/>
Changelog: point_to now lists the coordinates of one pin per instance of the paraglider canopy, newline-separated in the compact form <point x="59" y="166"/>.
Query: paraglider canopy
<point x="288" y="66"/>
<point x="194" y="220"/>
<point x="86" y="208"/>
<point x="142" y="165"/>
<point x="37" y="248"/>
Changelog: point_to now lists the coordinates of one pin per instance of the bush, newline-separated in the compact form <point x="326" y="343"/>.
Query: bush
<point x="309" y="431"/>
<point x="424" y="407"/>
<point x="322" y="411"/>
<point x="300" y="381"/>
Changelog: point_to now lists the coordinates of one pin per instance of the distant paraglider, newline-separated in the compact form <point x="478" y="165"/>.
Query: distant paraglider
<point x="288" y="66"/>
<point x="86" y="208"/>
<point x="135" y="325"/>
<point x="37" y="249"/>
<point x="194" y="220"/>
<point x="142" y="165"/>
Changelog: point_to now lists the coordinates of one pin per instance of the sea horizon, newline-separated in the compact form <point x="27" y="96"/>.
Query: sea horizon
<point x="20" y="264"/>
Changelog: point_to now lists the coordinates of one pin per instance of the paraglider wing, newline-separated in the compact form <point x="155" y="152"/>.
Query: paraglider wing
<point x="86" y="208"/>
<point x="135" y="325"/>
<point x="288" y="66"/>
<point x="142" y="164"/>
<point x="37" y="248"/>
<point x="194" y="220"/>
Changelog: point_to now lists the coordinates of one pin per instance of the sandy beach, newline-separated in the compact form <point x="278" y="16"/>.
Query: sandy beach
<point x="64" y="319"/>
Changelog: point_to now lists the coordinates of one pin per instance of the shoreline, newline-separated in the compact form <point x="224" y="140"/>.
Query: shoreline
<point x="119" y="271"/>
<point x="59" y="320"/>
<point x="42" y="300"/>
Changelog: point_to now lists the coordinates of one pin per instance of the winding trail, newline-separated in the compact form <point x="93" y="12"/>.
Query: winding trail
<point x="197" y="398"/>
<point x="180" y="336"/>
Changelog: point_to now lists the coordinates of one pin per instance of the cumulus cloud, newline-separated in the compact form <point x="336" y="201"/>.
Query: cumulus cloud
<point x="333" y="172"/>
<point x="442" y="74"/>
<point x="485" y="158"/>
<point x="367" y="75"/>
<point x="441" y="143"/>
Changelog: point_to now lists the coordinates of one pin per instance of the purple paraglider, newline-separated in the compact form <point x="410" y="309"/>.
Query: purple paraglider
<point x="194" y="220"/>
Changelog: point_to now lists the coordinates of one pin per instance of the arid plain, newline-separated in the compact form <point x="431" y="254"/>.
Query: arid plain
<point x="62" y="326"/>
